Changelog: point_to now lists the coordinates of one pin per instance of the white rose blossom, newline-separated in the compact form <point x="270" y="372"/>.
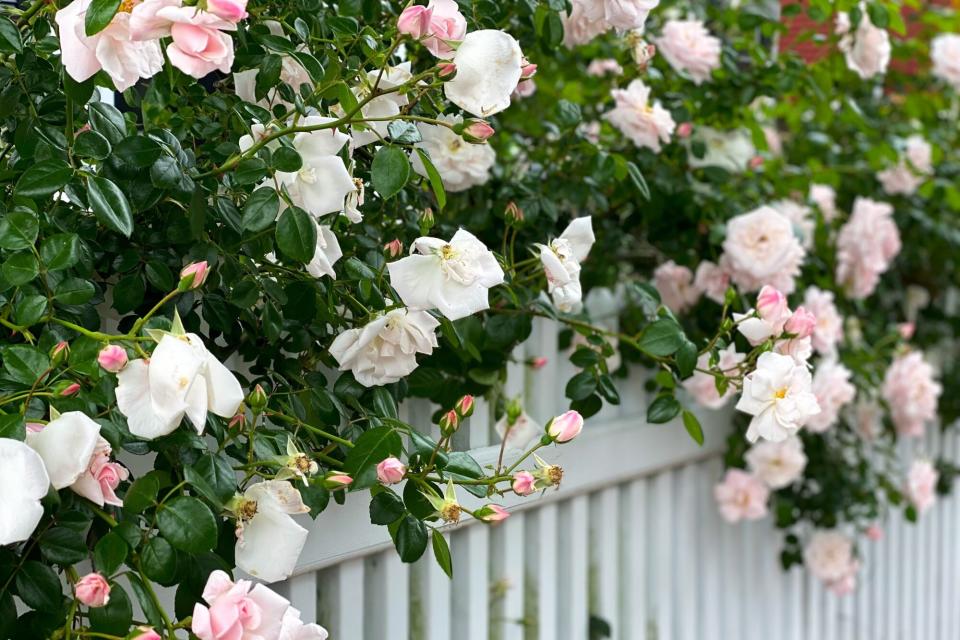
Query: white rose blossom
<point x="561" y="263"/>
<point x="945" y="54"/>
<point x="25" y="482"/>
<point x="867" y="50"/>
<point x="590" y="18"/>
<point x="778" y="395"/>
<point x="729" y="150"/>
<point x="489" y="65"/>
<point x="269" y="541"/>
<point x="647" y="125"/>
<point x="322" y="182"/>
<point x="385" y="350"/>
<point x="180" y="379"/>
<point x="66" y="445"/>
<point x="829" y="556"/>
<point x="387" y="105"/>
<point x="802" y="218"/>
<point x="453" y="276"/>
<point x="461" y="164"/>
<point x="689" y="48"/>
<point x="824" y="196"/>
<point x="777" y="464"/>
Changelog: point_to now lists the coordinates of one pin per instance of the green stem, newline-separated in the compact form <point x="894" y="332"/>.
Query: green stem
<point x="317" y="430"/>
<point x="141" y="321"/>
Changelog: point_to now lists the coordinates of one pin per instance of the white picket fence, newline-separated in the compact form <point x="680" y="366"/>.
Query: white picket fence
<point x="632" y="538"/>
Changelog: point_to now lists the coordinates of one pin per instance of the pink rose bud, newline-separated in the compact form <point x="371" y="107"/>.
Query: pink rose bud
<point x="70" y="389"/>
<point x="523" y="483"/>
<point x="528" y="70"/>
<point x="145" y="633"/>
<point x="539" y="362"/>
<point x="237" y="421"/>
<point x="391" y="471"/>
<point x="874" y="532"/>
<point x="756" y="162"/>
<point x="229" y="10"/>
<point x="193" y="275"/>
<point x="684" y="129"/>
<point x="906" y="329"/>
<point x="92" y="590"/>
<point x="492" y="513"/>
<point x="465" y="406"/>
<point x="801" y="323"/>
<point x="112" y="358"/>
<point x="446" y="70"/>
<point x="772" y="305"/>
<point x="449" y="422"/>
<point x="565" y="427"/>
<point x="513" y="213"/>
<point x="414" y="21"/>
<point x="477" y="131"/>
<point x="59" y="353"/>
<point x="393" y="248"/>
<point x="337" y="480"/>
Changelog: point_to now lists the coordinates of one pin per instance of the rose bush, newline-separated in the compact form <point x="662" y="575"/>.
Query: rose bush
<point x="219" y="282"/>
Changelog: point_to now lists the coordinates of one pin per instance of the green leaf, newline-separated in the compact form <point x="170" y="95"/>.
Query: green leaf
<point x="165" y="172"/>
<point x="441" y="551"/>
<point x="433" y="176"/>
<point x="91" y="144"/>
<point x="686" y="358"/>
<point x="260" y="210"/>
<point x="384" y="404"/>
<point x="29" y="310"/>
<point x="662" y="338"/>
<point x="286" y="159"/>
<point x="116" y="616"/>
<point x="74" y="291"/>
<point x="385" y="508"/>
<point x="8" y="614"/>
<point x="585" y="357"/>
<point x="581" y="385"/>
<point x="664" y="408"/>
<point x="20" y="268"/>
<point x="138" y="151"/>
<point x="159" y="275"/>
<point x="159" y="561"/>
<point x="692" y="425"/>
<point x="43" y="178"/>
<point x="60" y="251"/>
<point x="411" y="539"/>
<point x="638" y="180"/>
<point x="24" y="364"/>
<point x="214" y="477"/>
<point x="12" y="425"/>
<point x="39" y="587"/>
<point x="106" y="120"/>
<point x="18" y="230"/>
<point x="110" y="553"/>
<point x="297" y="234"/>
<point x="389" y="171"/>
<point x="110" y="205"/>
<point x="250" y="171"/>
<point x="147" y="604"/>
<point x="10" y="41"/>
<point x="142" y="493"/>
<point x="62" y="545"/>
<point x="99" y="14"/>
<point x="369" y="449"/>
<point x="404" y="132"/>
<point x="188" y="524"/>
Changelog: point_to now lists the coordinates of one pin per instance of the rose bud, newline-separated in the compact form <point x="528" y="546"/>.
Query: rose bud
<point x="393" y="249"/>
<point x="257" y="399"/>
<point x="477" y="131"/>
<point x="449" y="422"/>
<point x="513" y="213"/>
<point x="528" y="70"/>
<point x="59" y="353"/>
<point x="112" y="358"/>
<point x="229" y="10"/>
<point x="446" y="70"/>
<point x="523" y="483"/>
<point x="684" y="129"/>
<point x="334" y="481"/>
<point x="391" y="471"/>
<point x="464" y="406"/>
<point x="92" y="590"/>
<point x="801" y="323"/>
<point x="491" y="513"/>
<point x="68" y="389"/>
<point x="565" y="427"/>
<point x="193" y="275"/>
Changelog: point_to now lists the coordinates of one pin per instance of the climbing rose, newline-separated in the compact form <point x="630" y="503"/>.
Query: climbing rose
<point x="24" y="479"/>
<point x="676" y="287"/>
<point x="230" y="10"/>
<point x="112" y="358"/>
<point x="762" y="249"/>
<point x="866" y="246"/>
<point x="66" y="444"/>
<point x="777" y="464"/>
<point x="437" y="24"/>
<point x="833" y="389"/>
<point x="741" y="496"/>
<point x="489" y="67"/>
<point x="712" y="280"/>
<point x="561" y="263"/>
<point x="461" y="165"/>
<point x="197" y="272"/>
<point x="523" y="483"/>
<point x="391" y="471"/>
<point x="828" y="330"/>
<point x="921" y="485"/>
<point x="945" y="53"/>
<point x="867" y="50"/>
<point x="689" y="48"/>
<point x="829" y="556"/>
<point x="93" y="590"/>
<point x="269" y="540"/>
<point x="565" y="427"/>
<point x="911" y="393"/>
<point x="825" y="198"/>
<point x="911" y="170"/>
<point x="778" y="395"/>
<point x="646" y="125"/>
<point x="771" y="315"/>
<point x="99" y="482"/>
<point x="198" y="44"/>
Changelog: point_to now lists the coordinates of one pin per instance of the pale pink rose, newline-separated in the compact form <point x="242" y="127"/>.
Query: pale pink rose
<point x="238" y="610"/>
<point x="584" y="22"/>
<point x="684" y="130"/>
<point x="197" y="271"/>
<point x="414" y="21"/>
<point x="829" y="556"/>
<point x="825" y="198"/>
<point x="774" y="142"/>
<point x="801" y="323"/>
<point x="232" y="10"/>
<point x="741" y="496"/>
<point x="866" y="245"/>
<point x="646" y="125"/>
<point x="112" y="358"/>
<point x="676" y="287"/>
<point x="523" y="483"/>
<point x="945" y="54"/>
<point x="604" y="66"/>
<point x="703" y="387"/>
<point x="912" y="170"/>
<point x="906" y="330"/>
<point x="93" y="590"/>
<point x="99" y="482"/>
<point x="771" y="316"/>
<point x="777" y="464"/>
<point x="867" y="50"/>
<point x="690" y="48"/>
<point x="391" y="471"/>
<point x="528" y="70"/>
<point x="762" y="249"/>
<point x="70" y="389"/>
<point x="832" y="386"/>
<point x="713" y="280"/>
<point x="828" y="331"/>
<point x="800" y="349"/>
<point x="124" y="59"/>
<point x="439" y="24"/>
<point x="800" y="216"/>
<point x="868" y="415"/>
<point x="911" y="393"/>
<point x="921" y="485"/>
<point x="479" y="130"/>
<point x="145" y="24"/>
<point x="874" y="532"/>
<point x="625" y="15"/>
<point x="847" y="584"/>
<point x="566" y="426"/>
<point x="525" y="88"/>
<point x="199" y="44"/>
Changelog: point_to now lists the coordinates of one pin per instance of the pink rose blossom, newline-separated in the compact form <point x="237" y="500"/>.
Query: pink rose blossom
<point x="829" y="556"/>
<point x="690" y="48"/>
<point x="847" y="584"/>
<point x="829" y="326"/>
<point x="197" y="271"/>
<point x="921" y="485"/>
<point x="525" y="88"/>
<point x="232" y="10"/>
<point x="911" y="393"/>
<point x="912" y="170"/>
<point x="199" y="44"/>
<point x="703" y="386"/>
<point x="566" y="426"/>
<point x="528" y="70"/>
<point x="762" y="249"/>
<point x="825" y="198"/>
<point x="603" y="66"/>
<point x="874" y="532"/>
<point x="832" y="386"/>
<point x="93" y="590"/>
<point x="70" y="389"/>
<point x="393" y="249"/>
<point x="945" y="54"/>
<point x="493" y="513"/>
<point x="866" y="245"/>
<point x="414" y="21"/>
<point x="437" y="25"/>
<point x="741" y="496"/>
<point x="676" y="287"/>
<point x="391" y="471"/>
<point x="647" y="125"/>
<point x="777" y="464"/>
<point x="446" y="70"/>
<point x="523" y="483"/>
<point x="99" y="482"/>
<point x="906" y="330"/>
<point x="684" y="130"/>
<point x="479" y="130"/>
<point x="867" y="50"/>
<point x="772" y="314"/>
<point x="801" y="323"/>
<point x="713" y="280"/>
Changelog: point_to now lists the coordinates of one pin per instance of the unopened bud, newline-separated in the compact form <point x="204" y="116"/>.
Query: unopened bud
<point x="449" y="422"/>
<point x="513" y="213"/>
<point x="528" y="70"/>
<point x="477" y="131"/>
<point x="538" y="362"/>
<point x="684" y="129"/>
<point x="59" y="353"/>
<point x="393" y="249"/>
<point x="446" y="71"/>
<point x="257" y="399"/>
<point x="491" y="513"/>
<point x="464" y="406"/>
<point x="112" y="358"/>
<point x="426" y="221"/>
<point x="65" y="389"/>
<point x="335" y="480"/>
<point x="756" y="162"/>
<point x="237" y="421"/>
<point x="193" y="275"/>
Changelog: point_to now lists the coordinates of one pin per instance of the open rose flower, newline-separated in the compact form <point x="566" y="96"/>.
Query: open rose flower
<point x="828" y="331"/>
<point x="921" y="485"/>
<point x="833" y="389"/>
<point x="730" y="150"/>
<point x="911" y="392"/>
<point x="762" y="249"/>
<point x="198" y="44"/>
<point x="824" y="196"/>
<point x="647" y="125"/>
<point x="913" y="168"/>
<point x="489" y="66"/>
<point x="778" y="395"/>
<point x="676" y="287"/>
<point x="867" y="50"/>
<point x="461" y="165"/>
<point x="945" y="54"/>
<point x="453" y="276"/>
<point x="269" y="540"/>
<point x="322" y="182"/>
<point x="561" y="263"/>
<point x="689" y="48"/>
<point x="866" y="246"/>
<point x="829" y="557"/>
<point x="67" y="445"/>
<point x="768" y="320"/>
<point x="741" y="496"/>
<point x="438" y="24"/>
<point x="99" y="482"/>
<point x="777" y="464"/>
<point x="25" y="481"/>
<point x="713" y="280"/>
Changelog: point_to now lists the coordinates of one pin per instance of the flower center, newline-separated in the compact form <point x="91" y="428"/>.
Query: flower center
<point x="183" y="382"/>
<point x="780" y="393"/>
<point x="308" y="175"/>
<point x="302" y="463"/>
<point x="451" y="512"/>
<point x="126" y="6"/>
<point x="248" y="509"/>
